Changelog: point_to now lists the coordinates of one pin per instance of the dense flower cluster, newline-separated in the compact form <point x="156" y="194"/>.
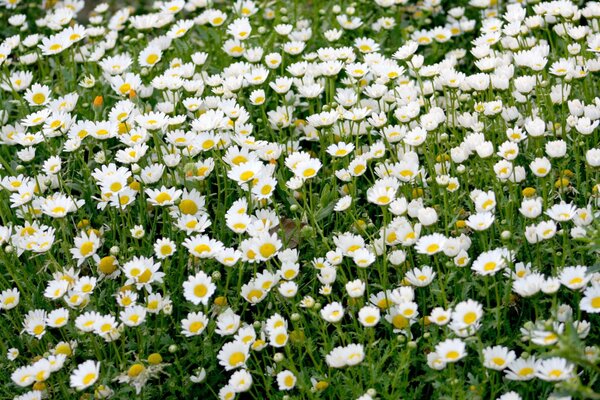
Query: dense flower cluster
<point x="367" y="199"/>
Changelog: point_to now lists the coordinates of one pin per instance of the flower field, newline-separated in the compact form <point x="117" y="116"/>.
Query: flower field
<point x="368" y="199"/>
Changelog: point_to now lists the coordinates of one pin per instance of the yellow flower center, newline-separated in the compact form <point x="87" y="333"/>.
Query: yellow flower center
<point x="87" y="248"/>
<point x="152" y="59"/>
<point x="525" y="371"/>
<point x="125" y="88"/>
<point x="498" y="361"/>
<point x="280" y="338"/>
<point x="163" y="197"/>
<point x="196" y="326"/>
<point x="489" y="266"/>
<point x="200" y="290"/>
<point x="135" y="370"/>
<point x="38" y="329"/>
<point x="89" y="378"/>
<point x="145" y="277"/>
<point x="202" y="248"/>
<point x="469" y="317"/>
<point x="399" y="321"/>
<point x="289" y="381"/>
<point x="39" y="98"/>
<point x="188" y="207"/>
<point x="267" y="250"/>
<point x="432" y="248"/>
<point x="236" y="358"/>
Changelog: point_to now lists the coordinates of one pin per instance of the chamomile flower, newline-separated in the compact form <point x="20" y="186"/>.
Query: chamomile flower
<point x="38" y="95"/>
<point x="194" y="324"/>
<point x="591" y="299"/>
<point x="163" y="196"/>
<point x="451" y="350"/>
<point x="134" y="315"/>
<point x="554" y="369"/>
<point x="198" y="288"/>
<point x="430" y="244"/>
<point x="164" y="248"/>
<point x="467" y="314"/>
<point x="57" y="318"/>
<point x="142" y="272"/>
<point x="85" y="375"/>
<point x="233" y="355"/>
<point x="498" y="357"/>
<point x="286" y="380"/>
<point x="35" y="323"/>
<point x="9" y="298"/>
<point x="369" y="316"/>
<point x="574" y="278"/>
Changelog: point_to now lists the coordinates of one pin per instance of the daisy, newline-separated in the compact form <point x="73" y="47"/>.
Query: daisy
<point x="198" y="288"/>
<point x="126" y="298"/>
<point x="420" y="277"/>
<point x="286" y="380"/>
<point x="591" y="299"/>
<point x="163" y="196"/>
<point x="54" y="44"/>
<point x="23" y="376"/>
<point x="228" y="256"/>
<point x="562" y="212"/>
<point x="57" y="318"/>
<point x="343" y="203"/>
<point x="381" y="195"/>
<point x="41" y="369"/>
<point x="440" y="316"/>
<point x="267" y="245"/>
<point x="202" y="246"/>
<point x="278" y="337"/>
<point x="480" y="221"/>
<point x="522" y="369"/>
<point x="35" y="323"/>
<point x="164" y="247"/>
<point x="85" y="375"/>
<point x="194" y="324"/>
<point x="451" y="350"/>
<point x="369" y="316"/>
<point x="430" y="244"/>
<point x="540" y="167"/>
<point x="134" y="315"/>
<point x="490" y="262"/>
<point x="142" y="272"/>
<point x="340" y="149"/>
<point x="363" y="258"/>
<point x="155" y="303"/>
<point x="37" y="95"/>
<point x="233" y="355"/>
<point x="150" y="56"/>
<point x="467" y="313"/>
<point x="106" y="326"/>
<point x="332" y="312"/>
<point x="574" y="278"/>
<point x="253" y="292"/>
<point x="497" y="357"/>
<point x="126" y="84"/>
<point x="353" y="354"/>
<point x="9" y="299"/>
<point x="554" y="369"/>
<point x="240" y="381"/>
<point x="245" y="172"/>
<point x="238" y="223"/>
